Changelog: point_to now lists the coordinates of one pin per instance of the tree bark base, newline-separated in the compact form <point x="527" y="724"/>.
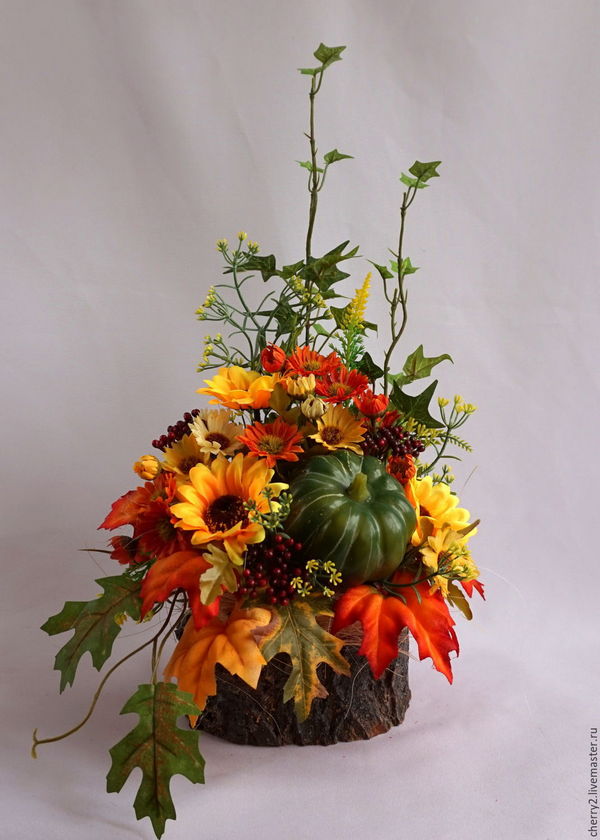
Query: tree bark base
<point x="357" y="707"/>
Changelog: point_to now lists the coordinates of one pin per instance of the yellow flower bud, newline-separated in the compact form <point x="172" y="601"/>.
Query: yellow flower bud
<point x="222" y="244"/>
<point x="443" y="402"/>
<point x="253" y="247"/>
<point x="148" y="467"/>
<point x="300" y="386"/>
<point x="242" y="235"/>
<point x="313" y="407"/>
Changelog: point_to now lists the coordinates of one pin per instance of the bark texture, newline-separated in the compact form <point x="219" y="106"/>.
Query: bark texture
<point x="357" y="707"/>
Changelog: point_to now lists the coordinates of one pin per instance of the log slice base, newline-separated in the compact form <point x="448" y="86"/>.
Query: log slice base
<point x="357" y="707"/>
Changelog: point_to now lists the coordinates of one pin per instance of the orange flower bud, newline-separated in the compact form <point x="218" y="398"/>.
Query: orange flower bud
<point x="371" y="404"/>
<point x="148" y="467"/>
<point x="272" y="358"/>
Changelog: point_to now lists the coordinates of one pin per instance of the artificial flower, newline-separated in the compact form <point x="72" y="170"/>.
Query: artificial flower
<point x="182" y="455"/>
<point x="402" y="468"/>
<point x="305" y="361"/>
<point x="371" y="404"/>
<point x="341" y="384"/>
<point x="148" y="467"/>
<point x="237" y="388"/>
<point x="299" y="386"/>
<point x="272" y="358"/>
<point x="435" y="506"/>
<point x="339" y="429"/>
<point x="313" y="407"/>
<point x="215" y="432"/>
<point x="277" y="441"/>
<point x="214" y="501"/>
<point x="445" y="551"/>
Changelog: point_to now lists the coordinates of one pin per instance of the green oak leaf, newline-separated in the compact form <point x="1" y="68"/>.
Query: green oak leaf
<point x="418" y="406"/>
<point x="94" y="623"/>
<point x="327" y="55"/>
<point x="334" y="155"/>
<point x="418" y="366"/>
<point x="159" y="748"/>
<point x="298" y="634"/>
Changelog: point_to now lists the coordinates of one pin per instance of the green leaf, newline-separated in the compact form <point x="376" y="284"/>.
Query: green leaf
<point x="412" y="182"/>
<point x="327" y="55"/>
<point x="286" y="317"/>
<point x="367" y="366"/>
<point x="298" y="634"/>
<point x="266" y="265"/>
<point x="334" y="155"/>
<point x="94" y="623"/>
<point x="320" y="330"/>
<point x="408" y="267"/>
<point x="457" y="599"/>
<point x="306" y="164"/>
<point x="159" y="748"/>
<point x="309" y="71"/>
<point x="324" y="271"/>
<point x="424" y="171"/>
<point x="385" y="273"/>
<point x="416" y="407"/>
<point x="418" y="366"/>
<point x="288" y="271"/>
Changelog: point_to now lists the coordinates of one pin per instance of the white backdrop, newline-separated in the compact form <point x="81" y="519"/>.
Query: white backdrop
<point x="136" y="133"/>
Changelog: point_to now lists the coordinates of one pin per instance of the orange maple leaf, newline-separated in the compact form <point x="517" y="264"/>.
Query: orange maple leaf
<point x="384" y="617"/>
<point x="469" y="585"/>
<point x="126" y="509"/>
<point x="181" y="570"/>
<point x="230" y="643"/>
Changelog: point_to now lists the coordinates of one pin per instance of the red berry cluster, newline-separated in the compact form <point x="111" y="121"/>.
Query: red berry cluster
<point x="270" y="567"/>
<point x="176" y="432"/>
<point x="393" y="440"/>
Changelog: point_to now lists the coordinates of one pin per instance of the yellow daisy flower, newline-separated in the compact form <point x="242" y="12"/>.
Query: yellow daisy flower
<point x="339" y="429"/>
<point x="446" y="552"/>
<point x="215" y="432"/>
<point x="213" y="502"/>
<point x="235" y="387"/>
<point x="182" y="455"/>
<point x="435" y="506"/>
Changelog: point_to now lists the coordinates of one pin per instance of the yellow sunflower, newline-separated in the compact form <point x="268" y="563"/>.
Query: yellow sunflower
<point x="435" y="506"/>
<point x="182" y="455"/>
<point x="339" y="429"/>
<point x="215" y="432"/>
<point x="237" y="388"/>
<point x="213" y="502"/>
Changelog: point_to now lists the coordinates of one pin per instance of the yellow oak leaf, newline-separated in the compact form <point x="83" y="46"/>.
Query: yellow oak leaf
<point x="230" y="643"/>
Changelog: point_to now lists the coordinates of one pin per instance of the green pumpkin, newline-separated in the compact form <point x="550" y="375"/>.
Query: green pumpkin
<point x="346" y="508"/>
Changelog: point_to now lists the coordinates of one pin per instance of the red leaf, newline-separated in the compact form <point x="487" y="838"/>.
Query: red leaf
<point x="384" y="617"/>
<point x="181" y="570"/>
<point x="469" y="585"/>
<point x="126" y="509"/>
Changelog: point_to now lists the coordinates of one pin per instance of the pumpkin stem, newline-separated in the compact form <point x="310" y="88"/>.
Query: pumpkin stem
<point x="358" y="490"/>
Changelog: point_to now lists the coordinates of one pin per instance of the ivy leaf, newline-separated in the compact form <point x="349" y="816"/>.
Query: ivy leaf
<point x="306" y="164"/>
<point x="418" y="406"/>
<point x="266" y="265"/>
<point x="327" y="55"/>
<point x="367" y="366"/>
<point x="324" y="271"/>
<point x="408" y="267"/>
<point x="94" y="623"/>
<point x="288" y="271"/>
<point x="385" y="273"/>
<point x="412" y="182"/>
<point x="181" y="570"/>
<point x="309" y="71"/>
<point x="230" y="643"/>
<point x="159" y="748"/>
<point x="418" y="366"/>
<point x="298" y="634"/>
<point x="424" y="171"/>
<point x="384" y="617"/>
<point x="334" y="155"/>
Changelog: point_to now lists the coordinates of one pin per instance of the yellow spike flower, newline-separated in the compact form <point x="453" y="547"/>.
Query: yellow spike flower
<point x="357" y="306"/>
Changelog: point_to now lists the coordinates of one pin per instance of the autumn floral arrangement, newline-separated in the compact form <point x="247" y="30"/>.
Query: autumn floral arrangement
<point x="311" y="495"/>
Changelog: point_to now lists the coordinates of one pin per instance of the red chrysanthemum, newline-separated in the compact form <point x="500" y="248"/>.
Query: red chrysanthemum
<point x="371" y="404"/>
<point x="402" y="468"/>
<point x="272" y="358"/>
<point x="305" y="361"/>
<point x="341" y="385"/>
<point x="277" y="441"/>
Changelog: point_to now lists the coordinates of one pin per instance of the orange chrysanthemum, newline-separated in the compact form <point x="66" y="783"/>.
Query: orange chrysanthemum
<point x="278" y="441"/>
<point x="305" y="361"/>
<point x="213" y="502"/>
<point x="341" y="385"/>
<point x="402" y="468"/>
<point x="237" y="388"/>
<point x="371" y="404"/>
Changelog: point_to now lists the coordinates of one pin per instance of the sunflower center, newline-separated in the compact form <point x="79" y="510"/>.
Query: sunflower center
<point x="186" y="464"/>
<point x="217" y="437"/>
<point x="225" y="512"/>
<point x="271" y="444"/>
<point x="331" y="435"/>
